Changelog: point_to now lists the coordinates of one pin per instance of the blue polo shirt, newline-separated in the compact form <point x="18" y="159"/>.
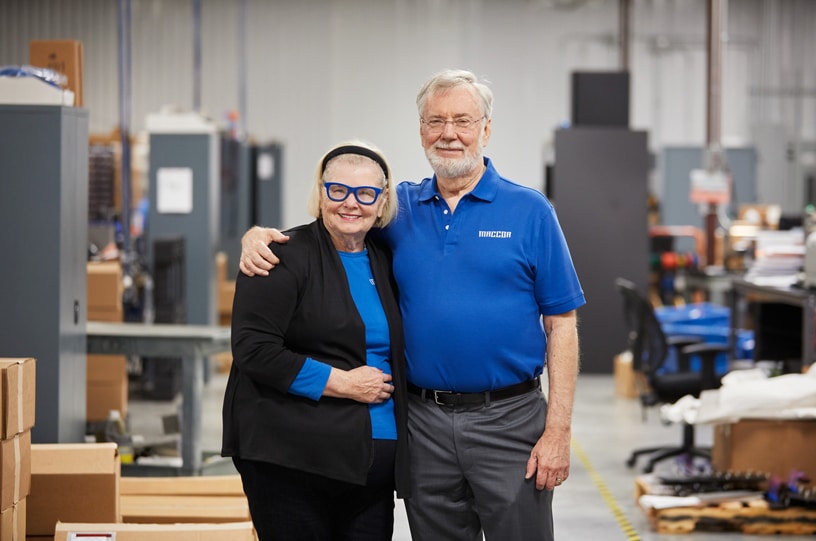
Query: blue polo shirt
<point x="473" y="284"/>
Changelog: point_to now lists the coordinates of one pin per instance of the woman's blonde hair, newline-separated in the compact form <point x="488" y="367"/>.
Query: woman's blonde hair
<point x="355" y="152"/>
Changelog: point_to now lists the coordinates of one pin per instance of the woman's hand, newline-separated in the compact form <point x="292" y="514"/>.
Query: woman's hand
<point x="364" y="384"/>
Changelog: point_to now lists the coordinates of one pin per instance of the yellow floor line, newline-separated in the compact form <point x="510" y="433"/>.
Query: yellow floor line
<point x="620" y="517"/>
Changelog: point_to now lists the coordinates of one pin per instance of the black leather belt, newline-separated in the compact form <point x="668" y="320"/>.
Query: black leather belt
<point x="450" y="398"/>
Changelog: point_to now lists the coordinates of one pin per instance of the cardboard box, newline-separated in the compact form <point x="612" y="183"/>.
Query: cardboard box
<point x="777" y="447"/>
<point x="15" y="468"/>
<point x="64" y="56"/>
<point x="163" y="509"/>
<point x="102" y="397"/>
<point x="17" y="395"/>
<point x="200" y="485"/>
<point x="72" y="482"/>
<point x="226" y="294"/>
<point x="106" y="368"/>
<point x="106" y="387"/>
<point x="624" y="376"/>
<point x="114" y="315"/>
<point x="105" y="286"/>
<point x="13" y="522"/>
<point x="235" y="531"/>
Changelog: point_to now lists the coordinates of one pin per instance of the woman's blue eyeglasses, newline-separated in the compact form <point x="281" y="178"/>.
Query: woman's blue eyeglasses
<point x="365" y="195"/>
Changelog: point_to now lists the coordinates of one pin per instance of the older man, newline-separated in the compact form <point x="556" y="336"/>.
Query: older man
<point x="488" y="295"/>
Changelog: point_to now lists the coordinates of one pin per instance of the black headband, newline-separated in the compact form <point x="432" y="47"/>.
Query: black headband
<point x="354" y="149"/>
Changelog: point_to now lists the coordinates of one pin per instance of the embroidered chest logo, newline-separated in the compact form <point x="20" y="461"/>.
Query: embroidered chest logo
<point x="495" y="234"/>
<point x="372" y="281"/>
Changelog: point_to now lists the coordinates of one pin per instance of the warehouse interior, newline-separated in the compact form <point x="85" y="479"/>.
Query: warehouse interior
<point x="676" y="140"/>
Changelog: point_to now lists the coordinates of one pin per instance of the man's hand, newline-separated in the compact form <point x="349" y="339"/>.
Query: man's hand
<point x="550" y="460"/>
<point x="256" y="257"/>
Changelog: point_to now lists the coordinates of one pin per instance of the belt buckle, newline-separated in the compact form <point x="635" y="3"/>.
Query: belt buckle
<point x="436" y="397"/>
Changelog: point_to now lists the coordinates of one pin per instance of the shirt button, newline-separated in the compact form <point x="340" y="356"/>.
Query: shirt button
<point x="445" y="211"/>
<point x="447" y="227"/>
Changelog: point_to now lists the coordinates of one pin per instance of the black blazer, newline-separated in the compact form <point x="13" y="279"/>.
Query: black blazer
<point x="305" y="308"/>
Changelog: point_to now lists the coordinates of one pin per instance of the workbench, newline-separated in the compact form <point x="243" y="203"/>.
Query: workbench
<point x="193" y="343"/>
<point x="743" y="290"/>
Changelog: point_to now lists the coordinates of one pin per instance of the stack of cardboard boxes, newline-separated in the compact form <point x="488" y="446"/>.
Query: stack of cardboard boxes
<point x="214" y="499"/>
<point x="17" y="400"/>
<point x="78" y="489"/>
<point x="107" y="380"/>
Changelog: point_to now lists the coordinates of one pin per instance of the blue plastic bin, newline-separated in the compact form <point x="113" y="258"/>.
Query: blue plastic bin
<point x="701" y="313"/>
<point x="712" y="334"/>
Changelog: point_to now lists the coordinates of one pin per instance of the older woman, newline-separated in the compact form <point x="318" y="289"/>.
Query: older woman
<point x="314" y="411"/>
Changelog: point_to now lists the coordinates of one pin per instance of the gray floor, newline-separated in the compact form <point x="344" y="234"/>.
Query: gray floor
<point x="597" y="502"/>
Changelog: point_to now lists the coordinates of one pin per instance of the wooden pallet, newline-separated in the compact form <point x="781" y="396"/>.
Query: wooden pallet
<point x="747" y="517"/>
<point x="753" y="517"/>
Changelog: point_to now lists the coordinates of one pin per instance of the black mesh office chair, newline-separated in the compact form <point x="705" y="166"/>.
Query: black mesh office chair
<point x="650" y="349"/>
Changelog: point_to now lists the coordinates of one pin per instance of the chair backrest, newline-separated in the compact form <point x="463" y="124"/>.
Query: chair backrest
<point x="646" y="339"/>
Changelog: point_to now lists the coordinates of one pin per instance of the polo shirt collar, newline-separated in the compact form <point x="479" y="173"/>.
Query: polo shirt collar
<point x="485" y="189"/>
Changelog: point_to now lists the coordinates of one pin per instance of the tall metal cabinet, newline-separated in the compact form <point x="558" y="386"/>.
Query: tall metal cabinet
<point x="184" y="201"/>
<point x="600" y="188"/>
<point x="235" y="200"/>
<point x="43" y="249"/>
<point x="267" y="182"/>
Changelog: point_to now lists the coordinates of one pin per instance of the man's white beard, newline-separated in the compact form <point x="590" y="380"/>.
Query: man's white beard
<point x="453" y="167"/>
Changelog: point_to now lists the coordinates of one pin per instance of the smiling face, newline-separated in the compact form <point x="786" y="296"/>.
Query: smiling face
<point x="349" y="221"/>
<point x="454" y="152"/>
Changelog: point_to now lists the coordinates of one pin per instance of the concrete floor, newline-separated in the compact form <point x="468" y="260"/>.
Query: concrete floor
<point x="596" y="503"/>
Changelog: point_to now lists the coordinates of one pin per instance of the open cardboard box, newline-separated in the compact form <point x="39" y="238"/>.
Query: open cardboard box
<point x="72" y="482"/>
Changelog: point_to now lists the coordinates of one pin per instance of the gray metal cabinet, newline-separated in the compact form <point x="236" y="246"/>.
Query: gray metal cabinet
<point x="43" y="254"/>
<point x="600" y="187"/>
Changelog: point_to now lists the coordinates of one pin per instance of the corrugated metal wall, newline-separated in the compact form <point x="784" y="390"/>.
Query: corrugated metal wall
<point x="320" y="71"/>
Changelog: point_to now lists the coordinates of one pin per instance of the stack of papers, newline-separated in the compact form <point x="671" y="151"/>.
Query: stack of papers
<point x="779" y="257"/>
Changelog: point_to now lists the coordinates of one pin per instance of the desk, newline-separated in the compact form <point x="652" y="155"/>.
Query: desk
<point x="802" y="298"/>
<point x="193" y="343"/>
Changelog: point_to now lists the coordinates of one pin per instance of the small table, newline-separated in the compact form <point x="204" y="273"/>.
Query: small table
<point x="193" y="343"/>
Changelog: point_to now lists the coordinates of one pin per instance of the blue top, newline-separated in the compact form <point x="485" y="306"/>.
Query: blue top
<point x="473" y="284"/>
<point x="312" y="378"/>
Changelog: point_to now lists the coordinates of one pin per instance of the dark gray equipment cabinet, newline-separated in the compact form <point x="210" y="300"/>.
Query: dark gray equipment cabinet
<point x="600" y="189"/>
<point x="266" y="181"/>
<point x="184" y="202"/>
<point x="184" y="216"/>
<point x="44" y="247"/>
<point x="236" y="200"/>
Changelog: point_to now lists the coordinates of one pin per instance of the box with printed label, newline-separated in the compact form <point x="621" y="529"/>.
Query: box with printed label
<point x="15" y="461"/>
<point x="17" y="395"/>
<point x="76" y="482"/>
<point x="234" y="531"/>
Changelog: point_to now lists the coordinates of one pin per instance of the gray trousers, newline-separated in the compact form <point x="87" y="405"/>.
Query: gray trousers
<point x="467" y="468"/>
